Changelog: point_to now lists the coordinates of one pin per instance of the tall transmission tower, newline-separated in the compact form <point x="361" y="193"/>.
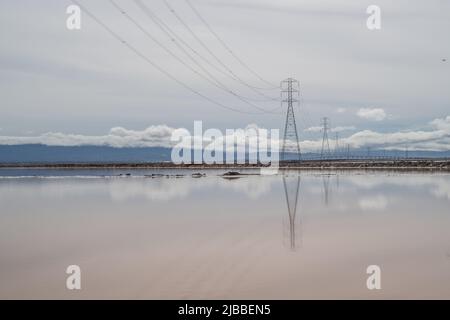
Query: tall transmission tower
<point x="290" y="93"/>
<point x="325" y="141"/>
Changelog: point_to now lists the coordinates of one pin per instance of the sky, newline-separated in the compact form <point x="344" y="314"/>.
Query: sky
<point x="386" y="87"/>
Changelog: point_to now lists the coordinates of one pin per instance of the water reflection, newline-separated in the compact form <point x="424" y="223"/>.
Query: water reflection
<point x="213" y="238"/>
<point x="326" y="188"/>
<point x="291" y="190"/>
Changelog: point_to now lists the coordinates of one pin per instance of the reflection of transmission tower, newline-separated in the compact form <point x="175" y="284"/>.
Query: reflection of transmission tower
<point x="326" y="189"/>
<point x="291" y="193"/>
<point x="326" y="127"/>
<point x="290" y="91"/>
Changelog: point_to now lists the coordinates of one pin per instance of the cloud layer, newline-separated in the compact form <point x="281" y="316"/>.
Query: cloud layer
<point x="375" y="114"/>
<point x="86" y="81"/>
<point x="153" y="136"/>
<point x="436" y="138"/>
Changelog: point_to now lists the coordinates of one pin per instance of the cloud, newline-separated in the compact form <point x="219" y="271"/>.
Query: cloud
<point x="336" y="129"/>
<point x="341" y="110"/>
<point x="111" y="83"/>
<point x="345" y="128"/>
<point x="375" y="114"/>
<point x="313" y="129"/>
<point x="153" y="136"/>
<point x="441" y="124"/>
<point x="435" y="139"/>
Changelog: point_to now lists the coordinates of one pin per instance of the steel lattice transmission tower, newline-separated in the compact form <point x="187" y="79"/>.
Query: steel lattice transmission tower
<point x="326" y="127"/>
<point x="290" y="93"/>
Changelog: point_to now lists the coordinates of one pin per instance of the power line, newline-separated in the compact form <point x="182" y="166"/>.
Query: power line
<point x="200" y="41"/>
<point x="154" y="65"/>
<point x="227" y="48"/>
<point x="175" y="37"/>
<point x="214" y="81"/>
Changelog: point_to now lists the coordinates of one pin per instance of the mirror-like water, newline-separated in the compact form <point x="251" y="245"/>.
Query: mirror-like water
<point x="291" y="236"/>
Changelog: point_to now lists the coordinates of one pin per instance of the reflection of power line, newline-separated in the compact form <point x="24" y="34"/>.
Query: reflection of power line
<point x="292" y="199"/>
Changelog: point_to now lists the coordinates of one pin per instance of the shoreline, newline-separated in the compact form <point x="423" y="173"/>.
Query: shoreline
<point x="337" y="164"/>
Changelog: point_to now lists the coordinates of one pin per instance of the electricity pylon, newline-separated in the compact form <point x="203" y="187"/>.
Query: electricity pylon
<point x="290" y="92"/>
<point x="326" y="127"/>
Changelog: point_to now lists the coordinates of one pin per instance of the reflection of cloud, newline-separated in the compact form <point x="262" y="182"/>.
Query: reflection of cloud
<point x="438" y="186"/>
<point x="252" y="187"/>
<point x="373" y="203"/>
<point x="441" y="190"/>
<point x="165" y="189"/>
<point x="155" y="189"/>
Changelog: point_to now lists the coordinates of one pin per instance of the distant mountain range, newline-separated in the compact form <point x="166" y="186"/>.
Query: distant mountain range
<point x="98" y="154"/>
<point x="82" y="154"/>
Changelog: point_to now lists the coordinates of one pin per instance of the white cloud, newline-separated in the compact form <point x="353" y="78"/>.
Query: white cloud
<point x="96" y="77"/>
<point x="436" y="139"/>
<point x="341" y="110"/>
<point x="344" y="128"/>
<point x="153" y="136"/>
<point x="336" y="129"/>
<point x="376" y="114"/>
<point x="441" y="124"/>
<point x="313" y="129"/>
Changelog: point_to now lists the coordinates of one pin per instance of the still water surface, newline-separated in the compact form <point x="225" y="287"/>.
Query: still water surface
<point x="290" y="236"/>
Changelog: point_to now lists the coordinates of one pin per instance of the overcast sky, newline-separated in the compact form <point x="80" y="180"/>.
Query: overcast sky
<point x="381" y="82"/>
